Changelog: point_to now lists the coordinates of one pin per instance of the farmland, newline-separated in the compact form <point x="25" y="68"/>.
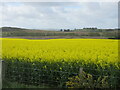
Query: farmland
<point x="45" y="60"/>
<point x="10" y="32"/>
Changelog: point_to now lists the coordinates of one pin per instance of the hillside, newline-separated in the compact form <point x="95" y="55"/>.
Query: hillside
<point x="15" y="32"/>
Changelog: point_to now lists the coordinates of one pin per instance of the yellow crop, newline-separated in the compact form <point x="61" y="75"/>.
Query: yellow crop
<point x="96" y="56"/>
<point x="97" y="51"/>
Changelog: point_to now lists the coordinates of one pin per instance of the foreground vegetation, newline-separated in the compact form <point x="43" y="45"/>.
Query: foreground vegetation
<point x="16" y="85"/>
<point x="53" y="61"/>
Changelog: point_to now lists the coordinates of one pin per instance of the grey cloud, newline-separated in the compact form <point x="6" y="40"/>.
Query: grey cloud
<point x="61" y="15"/>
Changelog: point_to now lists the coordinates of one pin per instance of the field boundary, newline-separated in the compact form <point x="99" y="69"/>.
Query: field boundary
<point x="15" y="75"/>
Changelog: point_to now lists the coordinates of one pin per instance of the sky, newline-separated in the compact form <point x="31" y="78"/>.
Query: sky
<point x="59" y="15"/>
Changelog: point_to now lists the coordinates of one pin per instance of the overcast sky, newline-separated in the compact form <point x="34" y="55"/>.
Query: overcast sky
<point x="60" y="15"/>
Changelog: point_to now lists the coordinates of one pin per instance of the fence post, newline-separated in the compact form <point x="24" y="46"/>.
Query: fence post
<point x="2" y="72"/>
<point x="80" y="70"/>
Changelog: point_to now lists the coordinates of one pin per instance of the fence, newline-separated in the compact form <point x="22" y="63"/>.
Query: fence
<point x="25" y="74"/>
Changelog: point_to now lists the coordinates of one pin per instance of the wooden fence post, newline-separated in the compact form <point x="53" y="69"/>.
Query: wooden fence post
<point x="0" y="74"/>
<point x="81" y="70"/>
<point x="81" y="73"/>
<point x="3" y="70"/>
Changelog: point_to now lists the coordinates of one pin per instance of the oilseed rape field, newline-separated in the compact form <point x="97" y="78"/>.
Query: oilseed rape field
<point x="55" y="60"/>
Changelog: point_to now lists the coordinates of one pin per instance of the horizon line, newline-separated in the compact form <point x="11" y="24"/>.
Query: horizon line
<point x="56" y="28"/>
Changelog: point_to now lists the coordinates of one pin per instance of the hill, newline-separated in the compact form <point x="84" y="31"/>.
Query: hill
<point x="15" y="32"/>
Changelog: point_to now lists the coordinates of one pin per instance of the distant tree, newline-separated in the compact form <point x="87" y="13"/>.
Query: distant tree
<point x="61" y="30"/>
<point x="66" y="30"/>
<point x="92" y="28"/>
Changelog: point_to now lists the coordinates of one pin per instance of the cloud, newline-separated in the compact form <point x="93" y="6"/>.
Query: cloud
<point x="60" y="15"/>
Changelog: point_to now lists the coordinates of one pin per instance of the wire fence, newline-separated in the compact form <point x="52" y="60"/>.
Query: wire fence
<point x="53" y="78"/>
